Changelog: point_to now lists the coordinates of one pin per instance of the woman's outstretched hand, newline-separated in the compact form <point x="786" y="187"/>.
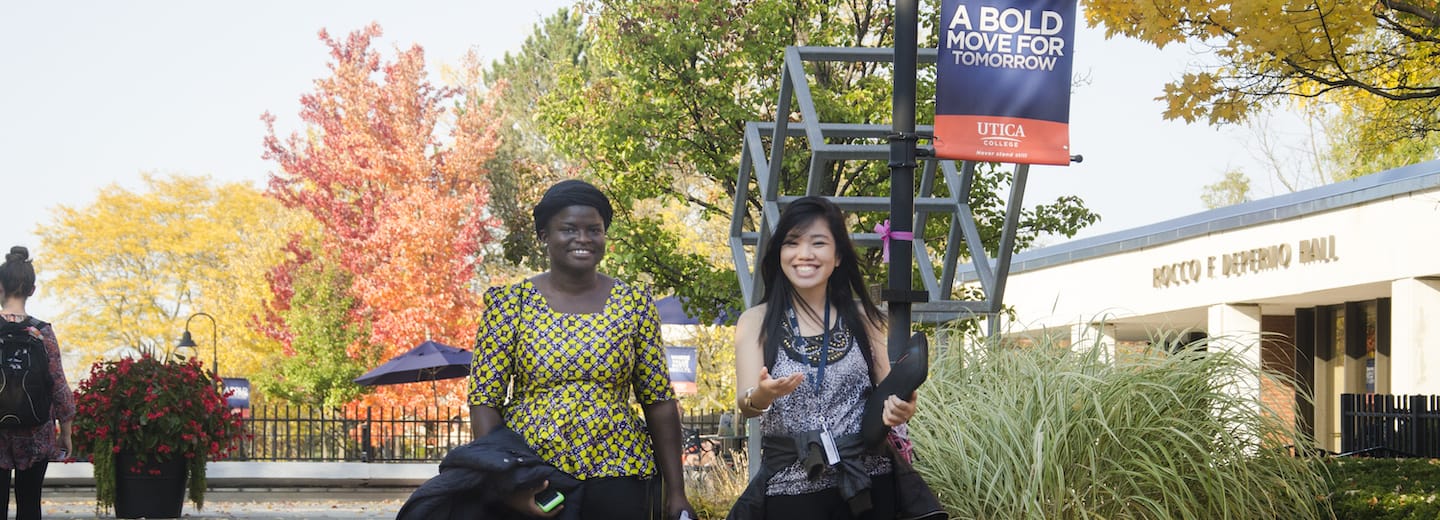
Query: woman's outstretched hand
<point x="771" y="389"/>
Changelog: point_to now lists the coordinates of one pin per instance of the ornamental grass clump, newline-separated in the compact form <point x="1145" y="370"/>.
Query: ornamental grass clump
<point x="1038" y="432"/>
<point x="713" y="488"/>
<point x="157" y="410"/>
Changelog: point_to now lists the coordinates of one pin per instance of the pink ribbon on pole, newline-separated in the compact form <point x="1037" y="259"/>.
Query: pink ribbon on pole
<point x="886" y="234"/>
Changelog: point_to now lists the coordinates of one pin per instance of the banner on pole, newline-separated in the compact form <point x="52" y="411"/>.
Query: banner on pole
<point x="239" y="389"/>
<point x="1002" y="89"/>
<point x="682" y="362"/>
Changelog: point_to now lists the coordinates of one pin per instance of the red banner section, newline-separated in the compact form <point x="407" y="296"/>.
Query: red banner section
<point x="1002" y="139"/>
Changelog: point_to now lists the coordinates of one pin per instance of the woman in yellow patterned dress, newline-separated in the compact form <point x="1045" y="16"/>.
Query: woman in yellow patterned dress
<point x="572" y="345"/>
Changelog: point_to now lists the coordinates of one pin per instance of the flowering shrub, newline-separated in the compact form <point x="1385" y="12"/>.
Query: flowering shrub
<point x="158" y="411"/>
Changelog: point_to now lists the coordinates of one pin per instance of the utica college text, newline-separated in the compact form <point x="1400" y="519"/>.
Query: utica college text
<point x="1000" y="135"/>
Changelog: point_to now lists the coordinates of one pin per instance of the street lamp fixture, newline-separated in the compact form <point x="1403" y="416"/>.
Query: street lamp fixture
<point x="188" y="342"/>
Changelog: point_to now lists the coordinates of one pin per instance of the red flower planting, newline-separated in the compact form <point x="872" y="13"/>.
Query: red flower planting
<point x="157" y="410"/>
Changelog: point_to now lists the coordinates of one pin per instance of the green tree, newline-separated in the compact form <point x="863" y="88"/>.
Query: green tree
<point x="1233" y="189"/>
<point x="130" y="267"/>
<point x="526" y="163"/>
<point x="325" y="340"/>
<point x="659" y="122"/>
<point x="1374" y="59"/>
<point x="1357" y="149"/>
<point x="715" y="362"/>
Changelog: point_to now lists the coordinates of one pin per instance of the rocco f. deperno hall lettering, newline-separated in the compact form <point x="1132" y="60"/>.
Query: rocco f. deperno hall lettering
<point x="1246" y="261"/>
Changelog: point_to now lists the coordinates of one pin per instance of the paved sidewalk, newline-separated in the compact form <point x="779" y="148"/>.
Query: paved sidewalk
<point x="249" y="503"/>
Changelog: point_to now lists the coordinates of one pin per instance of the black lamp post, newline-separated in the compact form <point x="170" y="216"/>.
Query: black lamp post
<point x="187" y="341"/>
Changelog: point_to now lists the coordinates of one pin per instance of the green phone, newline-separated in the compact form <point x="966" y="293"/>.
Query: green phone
<point x="549" y="499"/>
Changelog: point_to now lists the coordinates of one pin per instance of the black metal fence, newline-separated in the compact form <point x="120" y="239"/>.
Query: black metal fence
<point x="1390" y="425"/>
<point x="1371" y="425"/>
<point x="310" y="434"/>
<point x="303" y="433"/>
<point x="711" y="422"/>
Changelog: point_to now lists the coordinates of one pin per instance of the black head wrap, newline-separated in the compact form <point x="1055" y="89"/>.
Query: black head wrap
<point x="568" y="193"/>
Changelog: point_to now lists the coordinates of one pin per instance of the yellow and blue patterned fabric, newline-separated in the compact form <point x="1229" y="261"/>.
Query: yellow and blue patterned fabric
<point x="573" y="377"/>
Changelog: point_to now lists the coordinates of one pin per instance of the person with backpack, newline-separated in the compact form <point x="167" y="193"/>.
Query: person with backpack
<point x="35" y="394"/>
<point x="807" y="359"/>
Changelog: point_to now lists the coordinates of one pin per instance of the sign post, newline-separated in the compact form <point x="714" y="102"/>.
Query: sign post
<point x="900" y="295"/>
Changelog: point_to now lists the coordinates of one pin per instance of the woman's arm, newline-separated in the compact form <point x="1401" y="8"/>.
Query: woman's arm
<point x="749" y="359"/>
<point x="650" y="379"/>
<point x="879" y="349"/>
<point x="755" y="390"/>
<point x="62" y="399"/>
<point x="492" y="366"/>
<point x="663" y="420"/>
<point x="483" y="420"/>
<point x="65" y="439"/>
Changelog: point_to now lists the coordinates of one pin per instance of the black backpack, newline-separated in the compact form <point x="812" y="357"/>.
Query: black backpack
<point x="25" y="383"/>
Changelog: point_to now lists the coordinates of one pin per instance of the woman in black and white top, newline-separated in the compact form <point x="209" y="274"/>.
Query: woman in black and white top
<point x="807" y="358"/>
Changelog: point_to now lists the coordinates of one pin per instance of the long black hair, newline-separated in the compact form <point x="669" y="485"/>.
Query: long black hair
<point x="844" y="286"/>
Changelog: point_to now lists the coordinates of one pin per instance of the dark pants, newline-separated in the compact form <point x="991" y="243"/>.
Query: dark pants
<point x="827" y="504"/>
<point x="27" y="491"/>
<point x="621" y="498"/>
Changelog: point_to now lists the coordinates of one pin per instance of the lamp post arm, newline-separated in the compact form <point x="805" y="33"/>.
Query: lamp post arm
<point x="214" y="341"/>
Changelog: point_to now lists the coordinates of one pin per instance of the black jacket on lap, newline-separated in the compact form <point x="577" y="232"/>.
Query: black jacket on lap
<point x="476" y="478"/>
<point x="913" y="498"/>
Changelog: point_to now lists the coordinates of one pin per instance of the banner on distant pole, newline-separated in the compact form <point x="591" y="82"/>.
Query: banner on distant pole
<point x="682" y="362"/>
<point x="1003" y="81"/>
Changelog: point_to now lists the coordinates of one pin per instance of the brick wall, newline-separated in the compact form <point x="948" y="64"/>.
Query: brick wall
<point x="1277" y="354"/>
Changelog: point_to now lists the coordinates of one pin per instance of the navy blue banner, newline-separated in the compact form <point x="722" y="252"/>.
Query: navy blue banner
<point x="683" y="363"/>
<point x="239" y="389"/>
<point x="1003" y="80"/>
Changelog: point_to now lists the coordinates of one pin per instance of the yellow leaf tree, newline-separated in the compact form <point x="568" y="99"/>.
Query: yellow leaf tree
<point x="129" y="269"/>
<point x="1376" y="59"/>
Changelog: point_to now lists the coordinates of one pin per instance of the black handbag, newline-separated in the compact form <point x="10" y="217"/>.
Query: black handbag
<point x="906" y="374"/>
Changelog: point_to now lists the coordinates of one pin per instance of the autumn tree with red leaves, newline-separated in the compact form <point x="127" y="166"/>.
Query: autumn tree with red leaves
<point x="393" y="169"/>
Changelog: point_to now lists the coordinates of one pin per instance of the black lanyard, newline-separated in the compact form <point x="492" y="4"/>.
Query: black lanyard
<point x="824" y="342"/>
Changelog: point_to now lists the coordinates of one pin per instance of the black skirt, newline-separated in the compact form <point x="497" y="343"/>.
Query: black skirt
<point x="621" y="498"/>
<point x="828" y="505"/>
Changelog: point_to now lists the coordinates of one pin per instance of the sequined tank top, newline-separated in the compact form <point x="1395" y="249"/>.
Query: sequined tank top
<point x="838" y="404"/>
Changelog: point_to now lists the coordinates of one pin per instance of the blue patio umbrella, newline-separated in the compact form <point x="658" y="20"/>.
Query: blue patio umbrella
<point x="673" y="313"/>
<point x="428" y="361"/>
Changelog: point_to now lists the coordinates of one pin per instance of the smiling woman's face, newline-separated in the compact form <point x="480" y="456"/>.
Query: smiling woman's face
<point x="574" y="239"/>
<point x="808" y="256"/>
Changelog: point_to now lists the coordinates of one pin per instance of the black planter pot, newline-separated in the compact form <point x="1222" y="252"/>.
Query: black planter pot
<point x="156" y="491"/>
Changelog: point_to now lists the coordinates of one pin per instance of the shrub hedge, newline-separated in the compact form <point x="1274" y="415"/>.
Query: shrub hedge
<point x="1385" y="489"/>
